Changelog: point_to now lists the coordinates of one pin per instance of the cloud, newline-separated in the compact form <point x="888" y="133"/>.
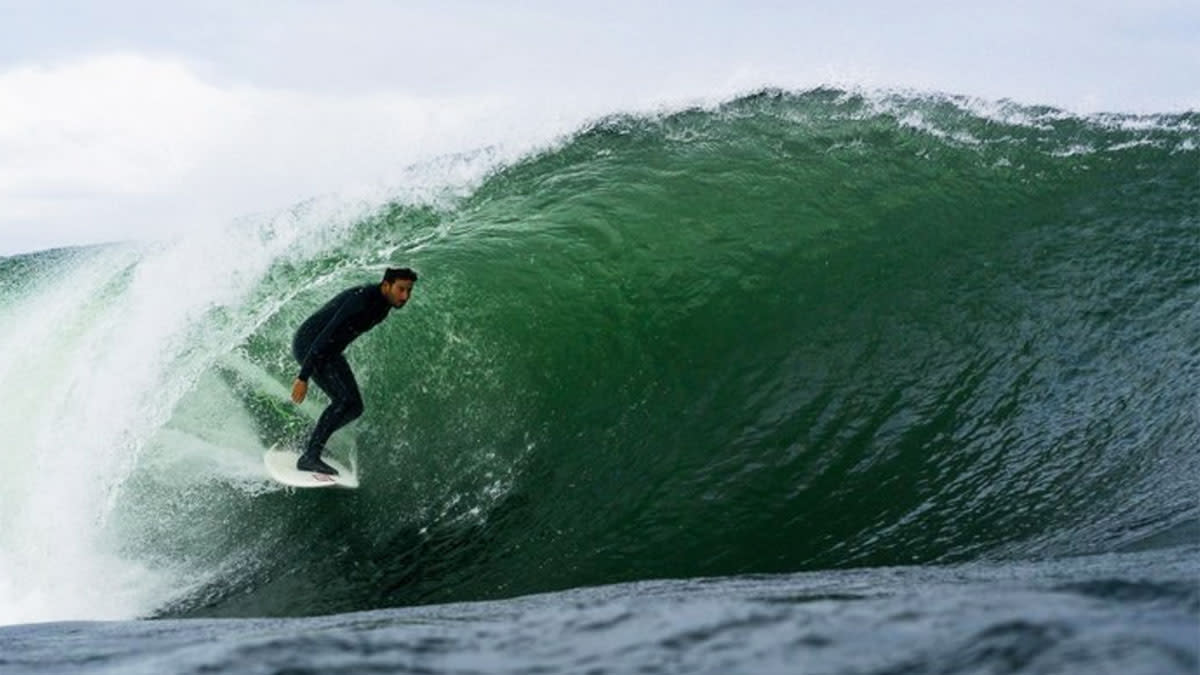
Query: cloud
<point x="109" y="128"/>
<point x="126" y="146"/>
<point x="108" y="125"/>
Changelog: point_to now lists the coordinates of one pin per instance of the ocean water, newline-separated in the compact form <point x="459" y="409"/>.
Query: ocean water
<point x="819" y="381"/>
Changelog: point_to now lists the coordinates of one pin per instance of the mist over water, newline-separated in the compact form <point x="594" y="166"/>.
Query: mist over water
<point x="791" y="332"/>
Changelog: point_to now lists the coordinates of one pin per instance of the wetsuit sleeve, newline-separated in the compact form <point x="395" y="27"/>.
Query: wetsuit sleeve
<point x="349" y="307"/>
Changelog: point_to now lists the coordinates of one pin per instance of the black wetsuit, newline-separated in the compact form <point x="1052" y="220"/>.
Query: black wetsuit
<point x="318" y="347"/>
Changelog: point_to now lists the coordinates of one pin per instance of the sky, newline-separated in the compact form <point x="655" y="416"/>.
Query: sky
<point x="131" y="119"/>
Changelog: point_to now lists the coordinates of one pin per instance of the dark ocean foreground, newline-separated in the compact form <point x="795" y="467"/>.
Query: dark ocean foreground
<point x="1127" y="614"/>
<point x="898" y="346"/>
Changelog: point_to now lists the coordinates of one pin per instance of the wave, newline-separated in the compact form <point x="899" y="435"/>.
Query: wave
<point x="792" y="331"/>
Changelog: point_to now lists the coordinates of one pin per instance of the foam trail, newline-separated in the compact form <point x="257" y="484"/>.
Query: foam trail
<point x="63" y="424"/>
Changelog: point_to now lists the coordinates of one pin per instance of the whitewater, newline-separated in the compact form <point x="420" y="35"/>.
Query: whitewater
<point x="706" y="387"/>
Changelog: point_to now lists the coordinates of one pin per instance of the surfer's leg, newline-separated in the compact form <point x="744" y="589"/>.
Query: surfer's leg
<point x="335" y="378"/>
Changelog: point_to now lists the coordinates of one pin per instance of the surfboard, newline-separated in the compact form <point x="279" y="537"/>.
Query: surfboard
<point x="281" y="467"/>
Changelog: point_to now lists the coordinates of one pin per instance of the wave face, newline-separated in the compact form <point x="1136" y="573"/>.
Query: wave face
<point x="795" y="331"/>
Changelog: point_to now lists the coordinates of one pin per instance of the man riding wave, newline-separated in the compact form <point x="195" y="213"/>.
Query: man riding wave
<point x="319" y="344"/>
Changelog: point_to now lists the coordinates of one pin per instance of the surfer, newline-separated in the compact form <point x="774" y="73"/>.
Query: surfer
<point x="318" y="347"/>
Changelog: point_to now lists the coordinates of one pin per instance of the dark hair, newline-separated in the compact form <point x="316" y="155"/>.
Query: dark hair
<point x="394" y="273"/>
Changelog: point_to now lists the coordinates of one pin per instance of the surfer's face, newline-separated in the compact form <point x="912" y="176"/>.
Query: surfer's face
<point x="397" y="291"/>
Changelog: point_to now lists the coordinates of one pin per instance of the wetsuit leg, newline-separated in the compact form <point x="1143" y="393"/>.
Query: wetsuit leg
<point x="335" y="378"/>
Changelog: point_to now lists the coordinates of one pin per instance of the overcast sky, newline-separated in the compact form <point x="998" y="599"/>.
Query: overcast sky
<point x="137" y="119"/>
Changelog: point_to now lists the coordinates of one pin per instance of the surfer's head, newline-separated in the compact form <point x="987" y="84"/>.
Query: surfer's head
<point x="397" y="285"/>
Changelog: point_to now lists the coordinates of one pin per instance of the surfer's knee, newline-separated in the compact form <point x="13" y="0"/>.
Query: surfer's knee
<point x="353" y="408"/>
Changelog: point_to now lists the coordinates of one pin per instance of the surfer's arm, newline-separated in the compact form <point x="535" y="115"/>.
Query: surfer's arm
<point x="316" y="352"/>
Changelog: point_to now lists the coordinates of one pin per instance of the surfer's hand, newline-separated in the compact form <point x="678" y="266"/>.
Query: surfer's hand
<point x="299" y="390"/>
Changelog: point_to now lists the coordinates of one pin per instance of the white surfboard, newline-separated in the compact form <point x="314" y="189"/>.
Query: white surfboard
<point x="281" y="466"/>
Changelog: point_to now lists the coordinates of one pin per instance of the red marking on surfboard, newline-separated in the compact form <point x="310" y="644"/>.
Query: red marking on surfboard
<point x="323" y="478"/>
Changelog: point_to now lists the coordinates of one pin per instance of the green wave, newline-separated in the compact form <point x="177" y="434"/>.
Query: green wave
<point x="792" y="331"/>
